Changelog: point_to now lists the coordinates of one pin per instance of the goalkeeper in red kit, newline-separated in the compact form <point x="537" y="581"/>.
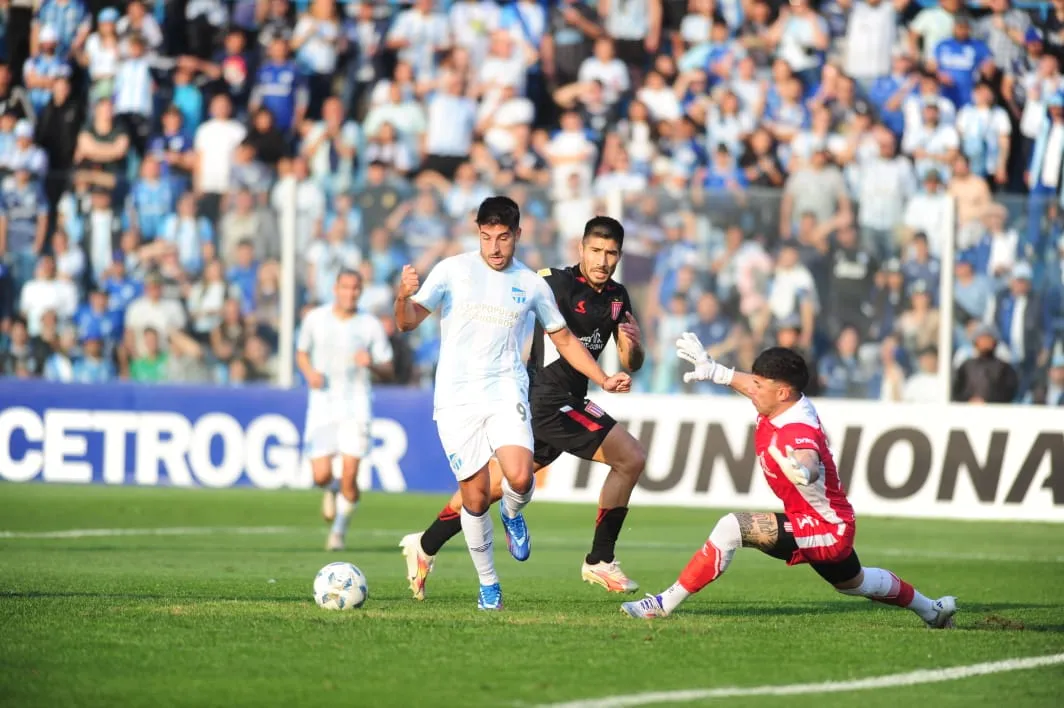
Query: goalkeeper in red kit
<point x="817" y="524"/>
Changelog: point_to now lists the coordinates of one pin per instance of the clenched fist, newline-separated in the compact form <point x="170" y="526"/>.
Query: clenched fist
<point x="408" y="282"/>
<point x="618" y="383"/>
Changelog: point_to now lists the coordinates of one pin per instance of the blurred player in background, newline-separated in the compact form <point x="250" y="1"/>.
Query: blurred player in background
<point x="481" y="395"/>
<point x="817" y="524"/>
<point x="338" y="349"/>
<point x="595" y="308"/>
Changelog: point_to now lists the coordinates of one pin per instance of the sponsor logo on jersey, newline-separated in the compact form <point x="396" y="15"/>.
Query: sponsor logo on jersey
<point x="593" y="342"/>
<point x="592" y="409"/>
<point x="615" y="309"/>
<point x="518" y="295"/>
<point x="581" y="308"/>
<point x="804" y="441"/>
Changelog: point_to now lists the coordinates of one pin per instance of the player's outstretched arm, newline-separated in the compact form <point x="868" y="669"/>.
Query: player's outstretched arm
<point x="409" y="314"/>
<point x="690" y="348"/>
<point x="573" y="351"/>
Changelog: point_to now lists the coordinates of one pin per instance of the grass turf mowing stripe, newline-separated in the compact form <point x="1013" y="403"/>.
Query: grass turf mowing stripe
<point x="552" y="542"/>
<point x="912" y="678"/>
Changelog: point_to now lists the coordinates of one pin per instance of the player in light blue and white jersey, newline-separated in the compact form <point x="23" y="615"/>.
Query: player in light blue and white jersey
<point x="338" y="349"/>
<point x="481" y="397"/>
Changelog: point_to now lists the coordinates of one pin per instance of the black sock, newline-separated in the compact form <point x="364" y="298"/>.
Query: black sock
<point x="447" y="525"/>
<point x="607" y="529"/>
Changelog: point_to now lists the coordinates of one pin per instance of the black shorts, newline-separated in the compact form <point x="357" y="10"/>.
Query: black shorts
<point x="672" y="14"/>
<point x="576" y="426"/>
<point x="835" y="573"/>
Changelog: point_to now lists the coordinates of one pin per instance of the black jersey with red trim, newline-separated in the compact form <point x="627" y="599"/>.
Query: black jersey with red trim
<point x="591" y="315"/>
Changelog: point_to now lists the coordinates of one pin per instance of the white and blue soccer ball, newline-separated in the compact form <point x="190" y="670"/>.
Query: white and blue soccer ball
<point x="340" y="586"/>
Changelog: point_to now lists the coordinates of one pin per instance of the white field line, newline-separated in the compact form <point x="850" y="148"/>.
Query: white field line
<point x="548" y="541"/>
<point x="163" y="531"/>
<point x="912" y="678"/>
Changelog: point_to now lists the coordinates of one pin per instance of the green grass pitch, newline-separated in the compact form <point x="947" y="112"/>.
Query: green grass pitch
<point x="222" y="618"/>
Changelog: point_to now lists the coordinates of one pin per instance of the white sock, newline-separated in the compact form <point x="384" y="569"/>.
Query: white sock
<point x="478" y="535"/>
<point x="923" y="606"/>
<point x="513" y="502"/>
<point x="884" y="586"/>
<point x="344" y="510"/>
<point x="673" y="596"/>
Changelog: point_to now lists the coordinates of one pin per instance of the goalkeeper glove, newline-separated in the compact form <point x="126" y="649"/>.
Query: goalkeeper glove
<point x="690" y="349"/>
<point x="790" y="466"/>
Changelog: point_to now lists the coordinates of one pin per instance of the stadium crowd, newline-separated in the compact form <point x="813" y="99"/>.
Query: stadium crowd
<point x="787" y="171"/>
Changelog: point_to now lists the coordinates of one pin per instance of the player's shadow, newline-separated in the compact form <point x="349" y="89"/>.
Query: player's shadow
<point x="789" y="610"/>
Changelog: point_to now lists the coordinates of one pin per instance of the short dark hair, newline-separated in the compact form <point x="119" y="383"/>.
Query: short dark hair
<point x="783" y="365"/>
<point x="605" y="227"/>
<point x="344" y="272"/>
<point x="499" y="211"/>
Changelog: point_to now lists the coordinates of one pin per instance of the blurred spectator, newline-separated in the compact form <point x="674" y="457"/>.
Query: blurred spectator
<point x="853" y="272"/>
<point x="102" y="147"/>
<point x="23" y="358"/>
<point x="817" y="189"/>
<point x="920" y="265"/>
<point x="149" y="365"/>
<point x="47" y="293"/>
<point x="918" y="326"/>
<point x="14" y="100"/>
<point x="93" y="366"/>
<point x="887" y="182"/>
<point x="1049" y="390"/>
<point x="151" y="202"/>
<point x="23" y="224"/>
<point x="329" y="147"/>
<point x="60" y="365"/>
<point x="929" y="212"/>
<point x="184" y="360"/>
<point x="924" y="386"/>
<point x="205" y="300"/>
<point x="152" y="311"/>
<point x="985" y="378"/>
<point x="841" y="373"/>
<point x="1020" y="316"/>
<point x="215" y="142"/>
<point x="986" y="134"/>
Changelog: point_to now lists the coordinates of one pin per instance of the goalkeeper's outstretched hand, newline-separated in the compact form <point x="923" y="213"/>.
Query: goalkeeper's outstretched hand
<point x="689" y="348"/>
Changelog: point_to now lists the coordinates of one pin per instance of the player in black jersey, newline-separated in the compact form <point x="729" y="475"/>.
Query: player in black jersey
<point x="595" y="308"/>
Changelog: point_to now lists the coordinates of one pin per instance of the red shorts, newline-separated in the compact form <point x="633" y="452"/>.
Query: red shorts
<point x="817" y="541"/>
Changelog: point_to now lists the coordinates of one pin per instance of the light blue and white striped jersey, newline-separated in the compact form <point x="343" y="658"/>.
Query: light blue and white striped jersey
<point x="484" y="318"/>
<point x="66" y="18"/>
<point x="133" y="87"/>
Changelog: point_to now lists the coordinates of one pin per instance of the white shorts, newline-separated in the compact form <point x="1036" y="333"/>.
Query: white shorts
<point x="349" y="438"/>
<point x="470" y="435"/>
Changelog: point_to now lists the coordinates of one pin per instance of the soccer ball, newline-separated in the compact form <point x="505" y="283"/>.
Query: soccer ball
<point x="340" y="586"/>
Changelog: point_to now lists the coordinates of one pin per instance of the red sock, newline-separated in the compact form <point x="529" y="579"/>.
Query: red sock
<point x="900" y="593"/>
<point x="702" y="569"/>
<point x="448" y="514"/>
